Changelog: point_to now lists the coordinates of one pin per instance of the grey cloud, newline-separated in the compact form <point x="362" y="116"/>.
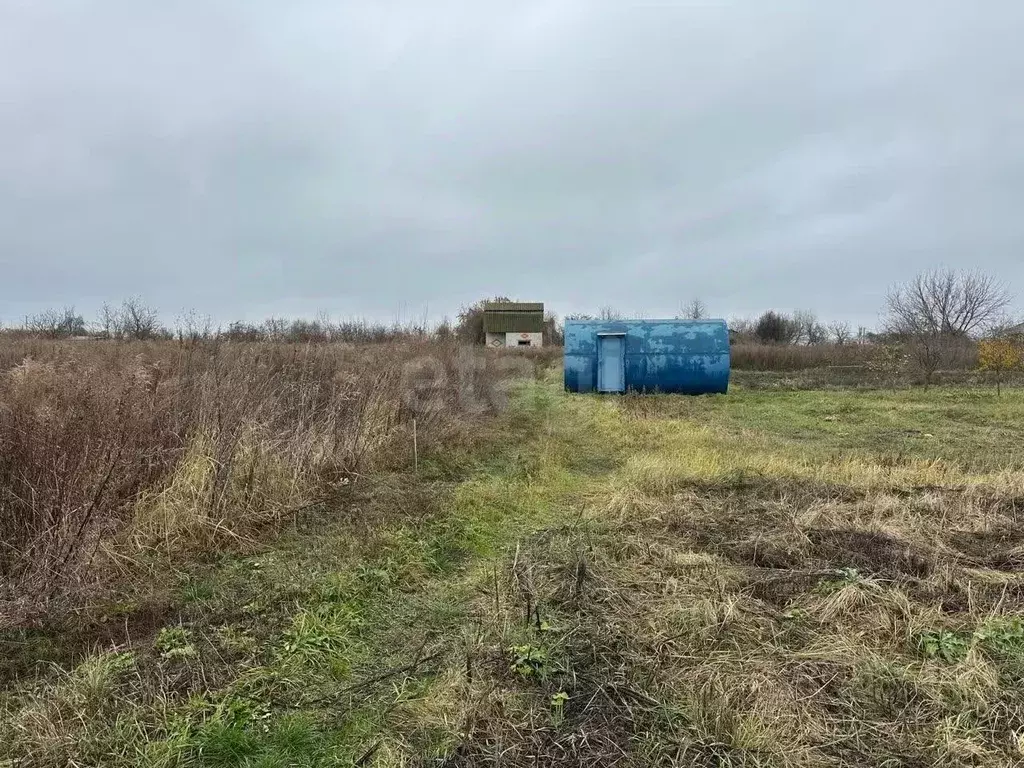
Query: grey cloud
<point x="247" y="156"/>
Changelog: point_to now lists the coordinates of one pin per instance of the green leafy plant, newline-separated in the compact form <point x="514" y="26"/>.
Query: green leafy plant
<point x="1004" y="636"/>
<point x="944" y="644"/>
<point x="1001" y="636"/>
<point x="175" y="643"/>
<point x="530" y="661"/>
<point x="844" y="578"/>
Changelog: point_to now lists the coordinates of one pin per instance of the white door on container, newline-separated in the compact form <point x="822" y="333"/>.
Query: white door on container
<point x="611" y="363"/>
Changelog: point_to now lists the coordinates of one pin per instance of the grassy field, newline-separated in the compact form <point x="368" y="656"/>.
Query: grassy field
<point x="765" y="579"/>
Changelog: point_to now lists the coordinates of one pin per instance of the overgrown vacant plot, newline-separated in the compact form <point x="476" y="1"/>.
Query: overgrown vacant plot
<point x="762" y="579"/>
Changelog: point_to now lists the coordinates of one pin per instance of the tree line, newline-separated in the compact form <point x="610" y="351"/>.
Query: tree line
<point x="135" y="320"/>
<point x="938" y="319"/>
<point x="934" y="317"/>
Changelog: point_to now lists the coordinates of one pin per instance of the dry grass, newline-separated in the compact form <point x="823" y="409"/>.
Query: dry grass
<point x="109" y="449"/>
<point x="842" y="366"/>
<point x="750" y="356"/>
<point x="796" y="579"/>
<point x="733" y="598"/>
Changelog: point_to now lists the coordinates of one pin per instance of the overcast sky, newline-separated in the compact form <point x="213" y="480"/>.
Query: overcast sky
<point x="388" y="158"/>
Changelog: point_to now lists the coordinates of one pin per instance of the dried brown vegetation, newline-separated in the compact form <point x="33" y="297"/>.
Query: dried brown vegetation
<point x="749" y="355"/>
<point x="111" y="449"/>
<point x="736" y="598"/>
<point x="806" y="579"/>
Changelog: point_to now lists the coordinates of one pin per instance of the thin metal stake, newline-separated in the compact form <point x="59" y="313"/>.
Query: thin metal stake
<point x="415" y="450"/>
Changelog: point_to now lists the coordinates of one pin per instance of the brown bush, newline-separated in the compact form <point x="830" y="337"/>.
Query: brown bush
<point x="789" y="357"/>
<point x="852" y="364"/>
<point x="109" y="447"/>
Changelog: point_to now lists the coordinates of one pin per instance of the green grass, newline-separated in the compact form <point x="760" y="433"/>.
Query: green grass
<point x="972" y="428"/>
<point x="767" y="578"/>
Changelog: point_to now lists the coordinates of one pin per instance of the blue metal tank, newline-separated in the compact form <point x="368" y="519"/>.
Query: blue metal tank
<point x="682" y="356"/>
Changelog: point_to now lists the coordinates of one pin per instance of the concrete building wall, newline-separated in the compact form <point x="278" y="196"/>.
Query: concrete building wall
<point x="513" y="339"/>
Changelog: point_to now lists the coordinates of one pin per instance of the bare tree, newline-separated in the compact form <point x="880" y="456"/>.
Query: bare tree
<point x="695" y="309"/>
<point x="946" y="302"/>
<point x="469" y="326"/>
<point x="56" y="323"/>
<point x="840" y="332"/>
<point x="927" y="352"/>
<point x="107" y="321"/>
<point x="808" y="329"/>
<point x="192" y="327"/>
<point x="939" y="311"/>
<point x="554" y="330"/>
<point x="742" y="328"/>
<point x="326" y="324"/>
<point x="609" y="313"/>
<point x="136" y="321"/>
<point x="275" y="328"/>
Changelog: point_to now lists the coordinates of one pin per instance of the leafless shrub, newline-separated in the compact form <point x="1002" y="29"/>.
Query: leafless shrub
<point x="890" y="363"/>
<point x="242" y="331"/>
<point x="774" y="357"/>
<point x="469" y="326"/>
<point x="148" y="444"/>
<point x="275" y="329"/>
<point x="192" y="327"/>
<point x="106" y="323"/>
<point x="444" y="331"/>
<point x="308" y="332"/>
<point x="77" y="442"/>
<point x="56" y="323"/>
<point x="695" y="309"/>
<point x="742" y="329"/>
<point x="554" y="330"/>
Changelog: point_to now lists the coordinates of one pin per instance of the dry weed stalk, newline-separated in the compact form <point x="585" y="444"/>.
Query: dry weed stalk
<point x="106" y="446"/>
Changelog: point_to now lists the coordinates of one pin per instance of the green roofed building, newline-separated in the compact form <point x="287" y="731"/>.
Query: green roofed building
<point x="514" y="324"/>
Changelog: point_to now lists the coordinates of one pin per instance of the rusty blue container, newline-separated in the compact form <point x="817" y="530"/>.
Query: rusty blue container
<point x="681" y="356"/>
